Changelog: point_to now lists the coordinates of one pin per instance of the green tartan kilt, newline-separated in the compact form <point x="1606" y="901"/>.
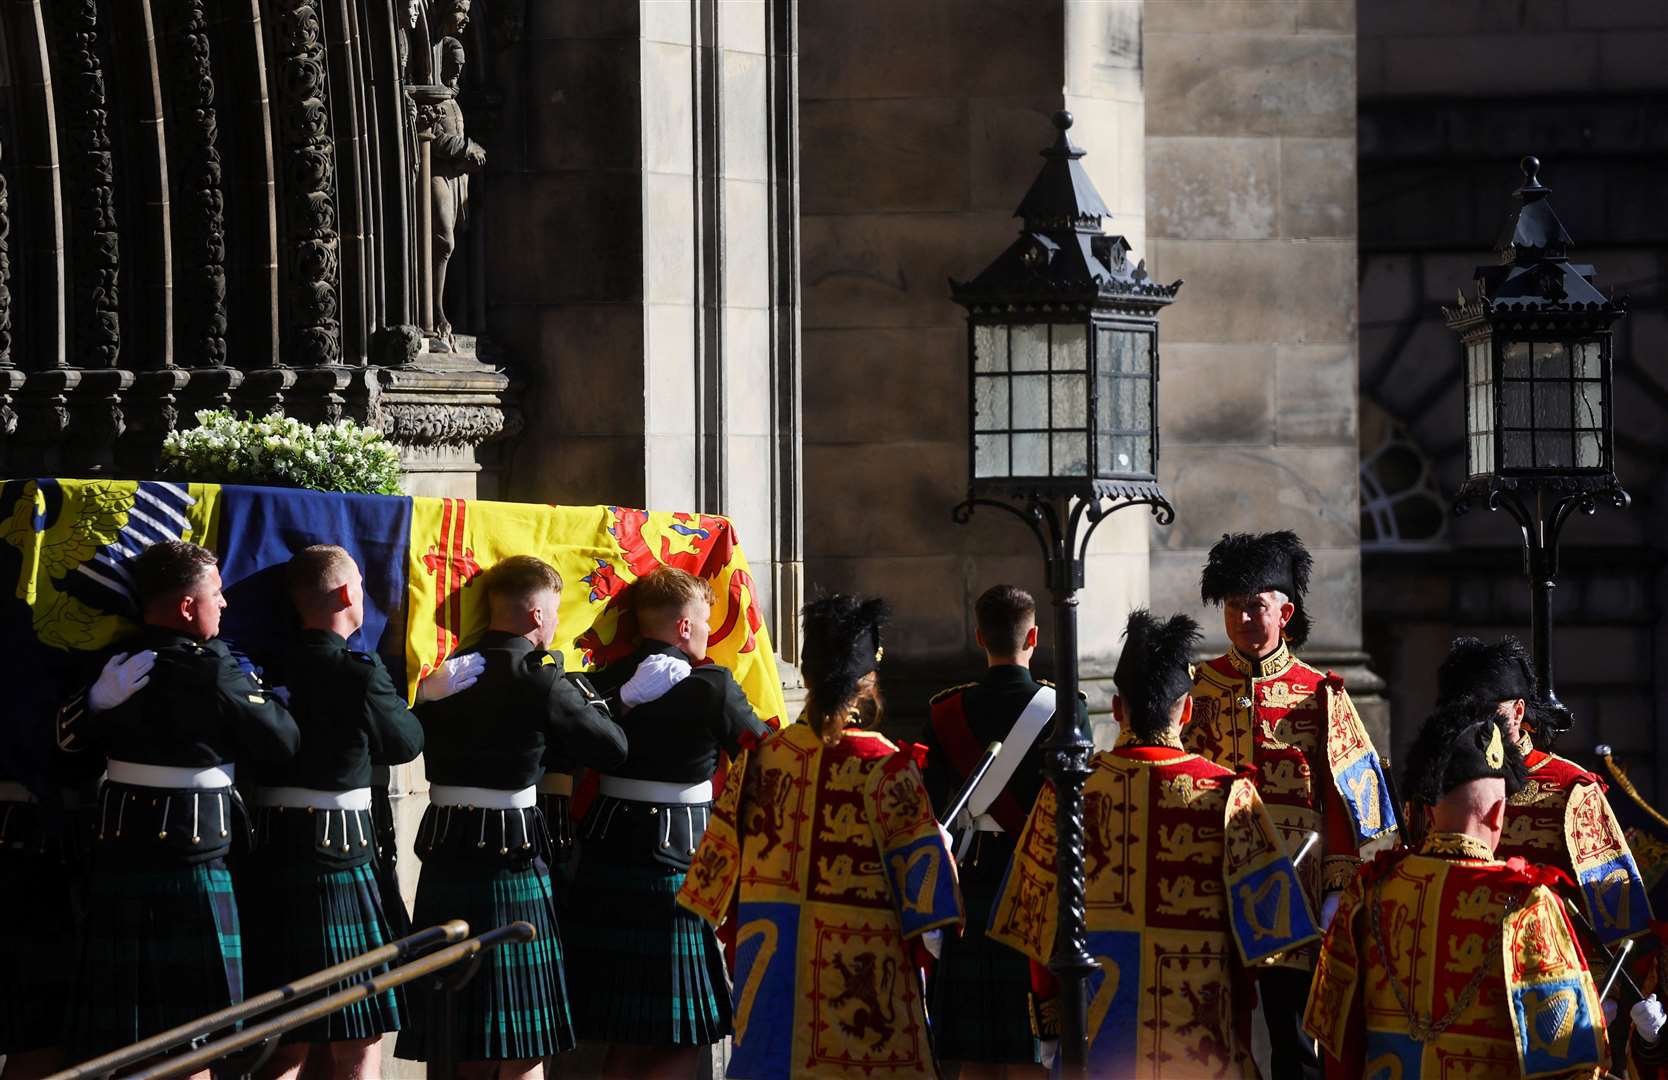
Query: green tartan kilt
<point x="162" y="947"/>
<point x="516" y="1006"/>
<point x="36" y="925"/>
<point x="644" y="970"/>
<point x="299" y="918"/>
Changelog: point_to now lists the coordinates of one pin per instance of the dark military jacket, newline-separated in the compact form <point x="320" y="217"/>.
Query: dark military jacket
<point x="496" y="733"/>
<point x="350" y="714"/>
<point x="199" y="709"/>
<point x="676" y="738"/>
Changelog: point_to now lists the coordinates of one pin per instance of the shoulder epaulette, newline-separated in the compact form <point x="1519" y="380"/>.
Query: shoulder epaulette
<point x="942" y="694"/>
<point x="1334" y="680"/>
<point x="363" y="658"/>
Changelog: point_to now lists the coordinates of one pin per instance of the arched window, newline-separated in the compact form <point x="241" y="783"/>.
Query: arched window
<point x="1401" y="508"/>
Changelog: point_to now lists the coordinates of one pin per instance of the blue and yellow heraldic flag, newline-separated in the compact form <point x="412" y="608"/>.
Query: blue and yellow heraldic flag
<point x="65" y="547"/>
<point x="830" y="862"/>
<point x="1187" y="886"/>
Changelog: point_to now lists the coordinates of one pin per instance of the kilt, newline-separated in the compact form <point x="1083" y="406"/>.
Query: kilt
<point x="644" y="970"/>
<point x="977" y="997"/>
<point x="36" y="922"/>
<point x="516" y="1006"/>
<point x="299" y="918"/>
<point x="162" y="947"/>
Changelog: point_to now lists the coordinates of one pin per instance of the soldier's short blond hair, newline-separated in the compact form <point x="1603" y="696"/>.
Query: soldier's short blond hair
<point x="313" y="573"/>
<point x="520" y="578"/>
<point x="666" y="590"/>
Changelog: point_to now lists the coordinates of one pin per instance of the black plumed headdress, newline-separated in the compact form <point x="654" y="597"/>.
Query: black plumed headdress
<point x="1458" y="743"/>
<point x="1487" y="674"/>
<point x="1153" y="670"/>
<point x="1243" y="564"/>
<point x="841" y="643"/>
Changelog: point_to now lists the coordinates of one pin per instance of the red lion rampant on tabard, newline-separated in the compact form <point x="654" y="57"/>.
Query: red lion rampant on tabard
<point x="714" y="541"/>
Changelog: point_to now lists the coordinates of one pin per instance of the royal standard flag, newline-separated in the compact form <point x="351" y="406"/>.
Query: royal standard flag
<point x="65" y="547"/>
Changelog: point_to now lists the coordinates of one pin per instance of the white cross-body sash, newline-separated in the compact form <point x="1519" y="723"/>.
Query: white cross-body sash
<point x="1015" y="746"/>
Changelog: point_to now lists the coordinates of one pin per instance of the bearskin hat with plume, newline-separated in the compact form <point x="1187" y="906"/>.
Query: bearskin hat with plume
<point x="1488" y="674"/>
<point x="1243" y="564"/>
<point x="840" y="644"/>
<point x="1153" y="670"/>
<point x="1460" y="742"/>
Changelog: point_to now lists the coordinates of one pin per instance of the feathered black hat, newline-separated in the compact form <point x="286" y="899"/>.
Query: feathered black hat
<point x="841" y="643"/>
<point x="1460" y="742"/>
<point x="1153" y="670"/>
<point x="1243" y="564"/>
<point x="1487" y="674"/>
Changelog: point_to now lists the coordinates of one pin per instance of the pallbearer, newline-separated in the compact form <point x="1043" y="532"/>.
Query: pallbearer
<point x="1186" y="881"/>
<point x="978" y="992"/>
<point x="163" y="942"/>
<point x="825" y="835"/>
<point x="1561" y="818"/>
<point x="648" y="976"/>
<point x="1259" y="706"/>
<point x="1447" y="961"/>
<point x="482" y="840"/>
<point x="310" y="892"/>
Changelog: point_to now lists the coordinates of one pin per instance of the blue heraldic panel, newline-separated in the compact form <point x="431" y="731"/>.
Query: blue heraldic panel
<point x="1557" y="1026"/>
<point x="767" y="947"/>
<point x="923" y="882"/>
<point x="1363" y="787"/>
<point x="1113" y="1042"/>
<point x="1392" y="1056"/>
<point x="1616" y="897"/>
<point x="1267" y="911"/>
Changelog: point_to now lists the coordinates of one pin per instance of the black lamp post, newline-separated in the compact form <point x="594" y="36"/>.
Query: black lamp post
<point x="1063" y="422"/>
<point x="1536" y="341"/>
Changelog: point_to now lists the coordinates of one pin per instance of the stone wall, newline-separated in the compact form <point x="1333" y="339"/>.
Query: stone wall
<point x="921" y="127"/>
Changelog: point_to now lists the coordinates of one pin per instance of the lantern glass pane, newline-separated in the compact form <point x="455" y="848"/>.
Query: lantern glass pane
<point x="1030" y="402"/>
<point x="1589" y="454"/>
<point x="990" y="455"/>
<point x="1103" y="455"/>
<point x="990" y="348"/>
<point x="1517" y="360"/>
<point x="990" y="403"/>
<point x="1586" y="365"/>
<point x="1030" y="347"/>
<point x="1069" y="349"/>
<point x="1140" y="348"/>
<point x="1071" y="401"/>
<point x="1552" y="404"/>
<point x="1552" y="360"/>
<point x="1554" y="450"/>
<point x="1141" y="403"/>
<point x="1589" y="404"/>
<point x="1516" y="450"/>
<point x="1514" y="412"/>
<point x="1071" y="456"/>
<point x="1030" y="455"/>
<point x="1485" y="422"/>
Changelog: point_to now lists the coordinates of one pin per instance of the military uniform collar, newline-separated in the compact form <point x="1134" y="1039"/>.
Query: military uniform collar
<point x="504" y="640"/>
<point x="1275" y="663"/>
<point x="1452" y="845"/>
<point x="327" y="638"/>
<point x="162" y="637"/>
<point x="1163" y="749"/>
<point x="1009" y="675"/>
<point x="652" y="646"/>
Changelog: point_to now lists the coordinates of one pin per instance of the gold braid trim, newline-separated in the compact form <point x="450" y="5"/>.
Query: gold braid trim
<point x="1622" y="781"/>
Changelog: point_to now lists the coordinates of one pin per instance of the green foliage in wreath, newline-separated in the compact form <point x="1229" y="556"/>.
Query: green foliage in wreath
<point x="282" y="451"/>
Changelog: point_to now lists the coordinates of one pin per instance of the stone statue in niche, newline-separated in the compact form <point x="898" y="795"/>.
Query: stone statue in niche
<point x="434" y="74"/>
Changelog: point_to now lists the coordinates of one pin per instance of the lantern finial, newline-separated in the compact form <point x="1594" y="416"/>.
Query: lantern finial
<point x="1531" y="166"/>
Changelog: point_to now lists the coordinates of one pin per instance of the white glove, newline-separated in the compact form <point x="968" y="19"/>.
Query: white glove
<point x="1648" y="1018"/>
<point x="1329" y="908"/>
<point x="458" y="673"/>
<point x="657" y="674"/>
<point x="122" y="677"/>
<point x="934" y="941"/>
<point x="1049" y="1049"/>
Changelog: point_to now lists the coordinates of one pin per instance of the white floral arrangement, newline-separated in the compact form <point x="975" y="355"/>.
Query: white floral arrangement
<point x="283" y="451"/>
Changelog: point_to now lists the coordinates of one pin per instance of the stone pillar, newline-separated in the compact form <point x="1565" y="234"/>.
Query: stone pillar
<point x="1251" y="194"/>
<point x="921" y="126"/>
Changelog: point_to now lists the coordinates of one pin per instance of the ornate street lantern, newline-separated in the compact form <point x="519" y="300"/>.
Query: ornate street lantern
<point x="1063" y="430"/>
<point x="1536" y="355"/>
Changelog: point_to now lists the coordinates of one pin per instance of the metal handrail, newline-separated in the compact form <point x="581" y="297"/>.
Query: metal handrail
<point x="412" y="945"/>
<point x="186" y="1064"/>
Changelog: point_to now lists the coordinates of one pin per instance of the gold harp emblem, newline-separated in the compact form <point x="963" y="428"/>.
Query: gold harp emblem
<point x="1495" y="752"/>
